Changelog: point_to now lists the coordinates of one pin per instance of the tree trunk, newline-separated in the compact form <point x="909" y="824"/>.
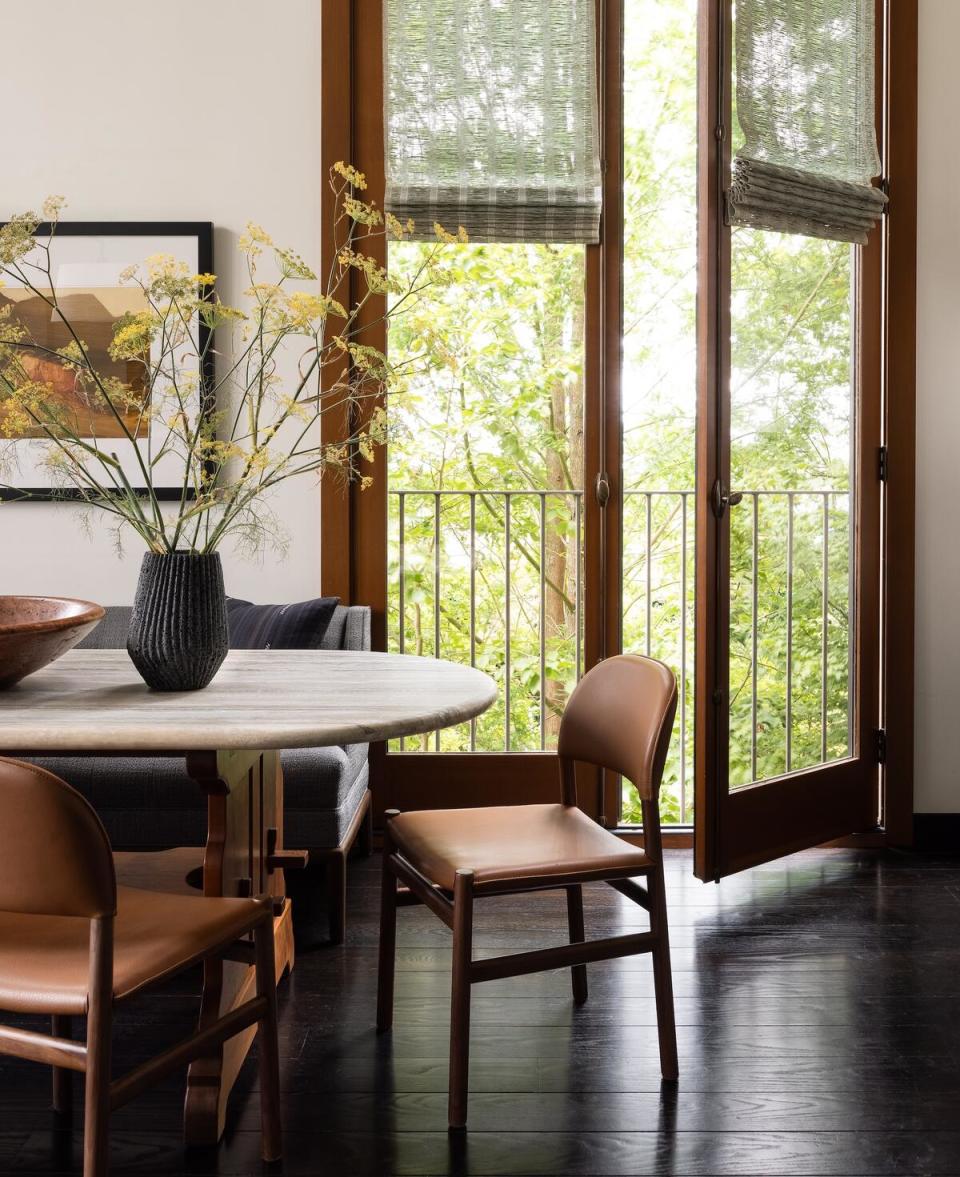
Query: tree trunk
<point x="564" y="472"/>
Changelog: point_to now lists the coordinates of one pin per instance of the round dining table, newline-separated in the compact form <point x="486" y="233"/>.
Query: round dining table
<point x="92" y="702"/>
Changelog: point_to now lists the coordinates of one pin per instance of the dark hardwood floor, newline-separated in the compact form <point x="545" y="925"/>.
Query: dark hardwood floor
<point x="818" y="1011"/>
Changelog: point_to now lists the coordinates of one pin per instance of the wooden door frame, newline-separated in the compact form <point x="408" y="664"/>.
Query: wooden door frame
<point x="899" y="137"/>
<point x="336" y="143"/>
<point x="608" y="259"/>
<point x="711" y="657"/>
<point x="351" y="521"/>
<point x="351" y="130"/>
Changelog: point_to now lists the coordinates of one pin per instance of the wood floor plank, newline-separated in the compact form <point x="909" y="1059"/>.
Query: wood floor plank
<point x="424" y="1154"/>
<point x="817" y="1034"/>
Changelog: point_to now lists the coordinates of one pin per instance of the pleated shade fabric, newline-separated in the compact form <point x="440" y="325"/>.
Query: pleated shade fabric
<point x="805" y="104"/>
<point x="491" y="118"/>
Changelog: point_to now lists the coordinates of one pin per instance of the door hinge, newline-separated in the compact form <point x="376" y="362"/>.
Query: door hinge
<point x="883" y="463"/>
<point x="881" y="745"/>
<point x="603" y="489"/>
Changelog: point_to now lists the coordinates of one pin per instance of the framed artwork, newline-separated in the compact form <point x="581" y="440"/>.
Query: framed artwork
<point x="87" y="259"/>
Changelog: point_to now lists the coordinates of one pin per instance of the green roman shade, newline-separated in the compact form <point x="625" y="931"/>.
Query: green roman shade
<point x="491" y="118"/>
<point x="805" y="104"/>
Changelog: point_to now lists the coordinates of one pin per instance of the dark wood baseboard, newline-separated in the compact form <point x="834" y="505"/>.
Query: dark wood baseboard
<point x="936" y="831"/>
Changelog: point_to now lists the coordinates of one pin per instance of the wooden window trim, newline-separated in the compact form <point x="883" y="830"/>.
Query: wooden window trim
<point x="899" y="349"/>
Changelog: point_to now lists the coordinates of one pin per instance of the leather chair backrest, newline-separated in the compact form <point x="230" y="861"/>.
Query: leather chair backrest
<point x="620" y="717"/>
<point x="55" y="856"/>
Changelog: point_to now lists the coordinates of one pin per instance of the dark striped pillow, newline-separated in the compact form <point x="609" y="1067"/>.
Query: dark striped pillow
<point x="299" y="626"/>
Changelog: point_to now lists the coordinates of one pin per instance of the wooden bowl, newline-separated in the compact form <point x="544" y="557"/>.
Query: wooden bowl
<point x="36" y="630"/>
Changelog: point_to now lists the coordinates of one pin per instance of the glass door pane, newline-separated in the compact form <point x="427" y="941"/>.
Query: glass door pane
<point x="485" y="483"/>
<point x="792" y="557"/>
<point x="659" y="388"/>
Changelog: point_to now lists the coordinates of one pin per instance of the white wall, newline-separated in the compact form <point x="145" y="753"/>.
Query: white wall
<point x="937" y="781"/>
<point x="205" y="110"/>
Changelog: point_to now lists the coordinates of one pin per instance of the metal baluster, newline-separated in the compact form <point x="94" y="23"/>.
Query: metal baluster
<point x="578" y="513"/>
<point x="649" y="499"/>
<point x="403" y="589"/>
<point x="436" y="594"/>
<point x="506" y="636"/>
<point x="824" y="623"/>
<point x="789" y="715"/>
<point x="543" y="620"/>
<point x="755" y="666"/>
<point x="851" y="578"/>
<point x="683" y="656"/>
<point x="473" y="602"/>
<point x="401" y="513"/>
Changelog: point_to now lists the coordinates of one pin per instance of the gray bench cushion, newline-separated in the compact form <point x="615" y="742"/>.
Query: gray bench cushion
<point x="149" y="803"/>
<point x="349" y="629"/>
<point x="111" y="633"/>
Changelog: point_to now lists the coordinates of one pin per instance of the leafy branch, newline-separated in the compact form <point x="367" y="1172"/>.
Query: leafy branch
<point x="227" y="441"/>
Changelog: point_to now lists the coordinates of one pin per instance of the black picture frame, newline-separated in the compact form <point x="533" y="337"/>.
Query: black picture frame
<point x="202" y="232"/>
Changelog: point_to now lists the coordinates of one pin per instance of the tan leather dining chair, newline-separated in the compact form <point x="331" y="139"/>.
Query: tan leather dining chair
<point x="619" y="717"/>
<point x="74" y="943"/>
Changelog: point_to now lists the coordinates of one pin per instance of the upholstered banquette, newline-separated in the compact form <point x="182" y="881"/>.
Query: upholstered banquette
<point x="150" y="803"/>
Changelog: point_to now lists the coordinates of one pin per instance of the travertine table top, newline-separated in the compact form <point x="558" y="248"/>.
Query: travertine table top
<point x="94" y="700"/>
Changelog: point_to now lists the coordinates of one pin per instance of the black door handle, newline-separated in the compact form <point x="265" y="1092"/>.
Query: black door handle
<point x="723" y="498"/>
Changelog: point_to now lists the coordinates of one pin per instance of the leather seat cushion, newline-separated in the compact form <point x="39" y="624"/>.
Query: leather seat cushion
<point x="501" y="843"/>
<point x="45" y="960"/>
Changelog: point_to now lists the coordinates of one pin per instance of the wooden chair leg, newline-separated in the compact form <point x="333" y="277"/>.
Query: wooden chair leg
<point x="388" y="936"/>
<point x="365" y="838"/>
<point x="96" y="1117"/>
<point x="460" y="998"/>
<point x="268" y="1044"/>
<point x="578" y="974"/>
<point x="337" y="895"/>
<point x="663" y="977"/>
<point x="61" y="1027"/>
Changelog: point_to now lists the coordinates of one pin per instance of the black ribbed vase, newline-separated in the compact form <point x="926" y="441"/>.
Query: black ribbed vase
<point x="178" y="631"/>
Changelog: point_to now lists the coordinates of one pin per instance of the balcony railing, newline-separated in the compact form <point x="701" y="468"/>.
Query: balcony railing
<point x="495" y="578"/>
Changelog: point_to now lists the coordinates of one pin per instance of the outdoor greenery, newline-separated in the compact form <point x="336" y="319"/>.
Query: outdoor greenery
<point x="502" y="409"/>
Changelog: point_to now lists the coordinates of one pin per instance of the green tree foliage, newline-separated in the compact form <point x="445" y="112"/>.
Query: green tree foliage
<point x="502" y="412"/>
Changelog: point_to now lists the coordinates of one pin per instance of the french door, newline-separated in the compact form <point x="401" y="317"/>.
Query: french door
<point x="667" y="443"/>
<point x="789" y="574"/>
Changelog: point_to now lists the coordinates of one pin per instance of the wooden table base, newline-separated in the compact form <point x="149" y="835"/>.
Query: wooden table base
<point x="209" y="1082"/>
<point x="243" y="856"/>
